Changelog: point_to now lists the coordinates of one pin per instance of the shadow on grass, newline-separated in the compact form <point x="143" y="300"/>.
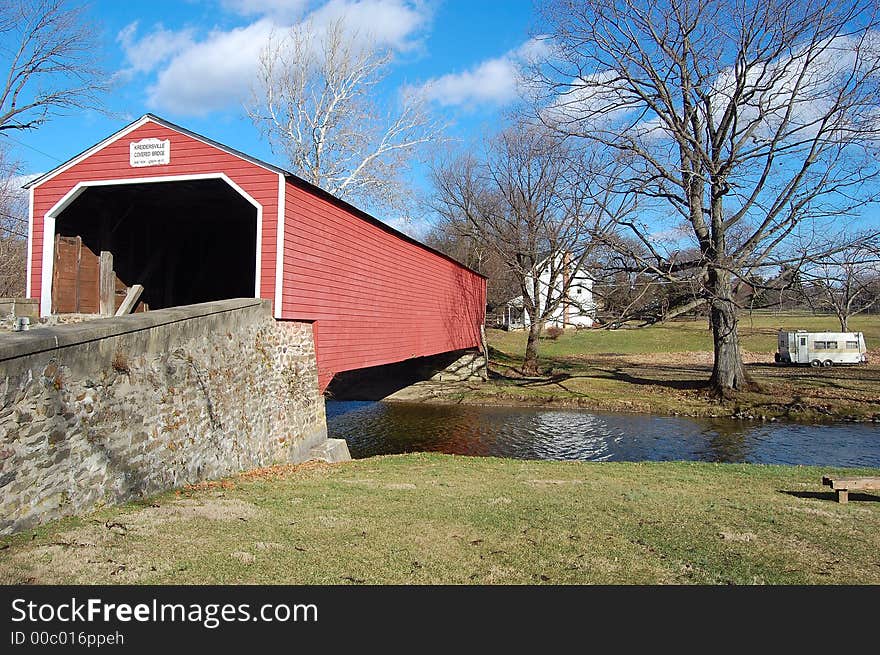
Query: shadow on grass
<point x="560" y="370"/>
<point x="681" y="385"/>
<point x="831" y="495"/>
<point x="824" y="376"/>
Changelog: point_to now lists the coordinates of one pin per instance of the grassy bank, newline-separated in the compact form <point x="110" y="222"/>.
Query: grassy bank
<point x="757" y="335"/>
<point x="664" y="370"/>
<point x="428" y="518"/>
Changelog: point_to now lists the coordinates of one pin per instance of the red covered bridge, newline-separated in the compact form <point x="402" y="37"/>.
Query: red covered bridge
<point x="193" y="220"/>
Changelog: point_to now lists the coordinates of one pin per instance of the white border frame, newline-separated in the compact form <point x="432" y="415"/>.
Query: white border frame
<point x="279" y="245"/>
<point x="51" y="216"/>
<point x="30" y="243"/>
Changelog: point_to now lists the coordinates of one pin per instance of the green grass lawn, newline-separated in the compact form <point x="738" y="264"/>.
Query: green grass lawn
<point x="665" y="369"/>
<point x="429" y="518"/>
<point x="757" y="333"/>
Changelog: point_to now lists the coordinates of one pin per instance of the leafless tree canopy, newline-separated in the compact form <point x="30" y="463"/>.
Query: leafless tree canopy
<point x="530" y="200"/>
<point x="315" y="101"/>
<point x="13" y="231"/>
<point x="847" y="282"/>
<point x="627" y="290"/>
<point x="47" y="58"/>
<point x="747" y="121"/>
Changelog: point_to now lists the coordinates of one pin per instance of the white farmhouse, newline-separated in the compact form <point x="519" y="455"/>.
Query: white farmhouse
<point x="577" y="310"/>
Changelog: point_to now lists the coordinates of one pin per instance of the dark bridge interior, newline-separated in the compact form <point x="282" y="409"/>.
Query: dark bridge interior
<point x="185" y="242"/>
<point x="378" y="382"/>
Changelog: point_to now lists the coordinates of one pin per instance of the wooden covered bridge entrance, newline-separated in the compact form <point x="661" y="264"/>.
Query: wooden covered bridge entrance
<point x="191" y="220"/>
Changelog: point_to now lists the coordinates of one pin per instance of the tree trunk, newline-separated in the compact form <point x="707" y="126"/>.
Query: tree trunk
<point x="728" y="372"/>
<point x="530" y="363"/>
<point x="844" y="322"/>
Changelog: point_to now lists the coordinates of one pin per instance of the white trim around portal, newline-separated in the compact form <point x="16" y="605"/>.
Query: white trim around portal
<point x="128" y="129"/>
<point x="279" y="246"/>
<point x="30" y="243"/>
<point x="50" y="217"/>
<point x="91" y="151"/>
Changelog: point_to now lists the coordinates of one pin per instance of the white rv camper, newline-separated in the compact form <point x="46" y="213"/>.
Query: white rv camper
<point x="821" y="348"/>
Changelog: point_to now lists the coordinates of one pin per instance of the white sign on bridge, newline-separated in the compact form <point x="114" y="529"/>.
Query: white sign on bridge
<point x="149" y="152"/>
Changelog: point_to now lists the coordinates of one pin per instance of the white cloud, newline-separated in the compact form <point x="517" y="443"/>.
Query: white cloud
<point x="599" y="99"/>
<point x="672" y="235"/>
<point x="391" y="23"/>
<point x="13" y="197"/>
<point x="19" y="181"/>
<point x="790" y="97"/>
<point x="534" y="49"/>
<point x="198" y="75"/>
<point x="212" y="74"/>
<point x="156" y="46"/>
<point x="495" y="81"/>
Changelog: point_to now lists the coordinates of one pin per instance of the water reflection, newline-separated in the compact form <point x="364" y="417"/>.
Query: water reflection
<point x="728" y="442"/>
<point x="377" y="428"/>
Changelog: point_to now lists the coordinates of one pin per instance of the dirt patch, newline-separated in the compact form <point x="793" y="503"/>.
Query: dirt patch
<point x="331" y="520"/>
<point x="186" y="509"/>
<point x="106" y="551"/>
<point x="243" y="557"/>
<point x="102" y="558"/>
<point x="282" y="471"/>
<point x="268" y="545"/>
<point x="815" y="512"/>
<point x="694" y="359"/>
<point x="738" y="536"/>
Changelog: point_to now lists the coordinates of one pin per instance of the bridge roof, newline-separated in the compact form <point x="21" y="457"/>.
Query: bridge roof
<point x="291" y="178"/>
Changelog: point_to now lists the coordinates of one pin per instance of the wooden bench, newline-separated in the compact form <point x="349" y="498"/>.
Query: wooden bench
<point x="844" y="485"/>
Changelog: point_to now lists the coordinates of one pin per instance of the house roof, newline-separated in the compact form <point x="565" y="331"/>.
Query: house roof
<point x="288" y="176"/>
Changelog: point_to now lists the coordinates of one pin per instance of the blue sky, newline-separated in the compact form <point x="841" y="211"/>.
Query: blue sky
<point x="191" y="63"/>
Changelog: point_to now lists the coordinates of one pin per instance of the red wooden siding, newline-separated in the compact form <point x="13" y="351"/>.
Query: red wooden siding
<point x="189" y="156"/>
<point x="376" y="298"/>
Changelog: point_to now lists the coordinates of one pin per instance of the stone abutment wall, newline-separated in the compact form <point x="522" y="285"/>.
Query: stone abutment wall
<point x="115" y="409"/>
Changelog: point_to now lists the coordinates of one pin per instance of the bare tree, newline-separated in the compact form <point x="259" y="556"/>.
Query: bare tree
<point x="528" y="198"/>
<point x="13" y="230"/>
<point x="846" y="283"/>
<point x="49" y="49"/>
<point x="627" y="290"/>
<point x="749" y="122"/>
<point x="315" y="101"/>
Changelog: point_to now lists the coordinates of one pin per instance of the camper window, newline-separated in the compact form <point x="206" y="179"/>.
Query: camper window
<point x="818" y="345"/>
<point x="852" y="344"/>
<point x="824" y="345"/>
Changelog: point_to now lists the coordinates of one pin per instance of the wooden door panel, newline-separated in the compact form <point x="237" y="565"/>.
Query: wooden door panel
<point x="76" y="277"/>
<point x="89" y="281"/>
